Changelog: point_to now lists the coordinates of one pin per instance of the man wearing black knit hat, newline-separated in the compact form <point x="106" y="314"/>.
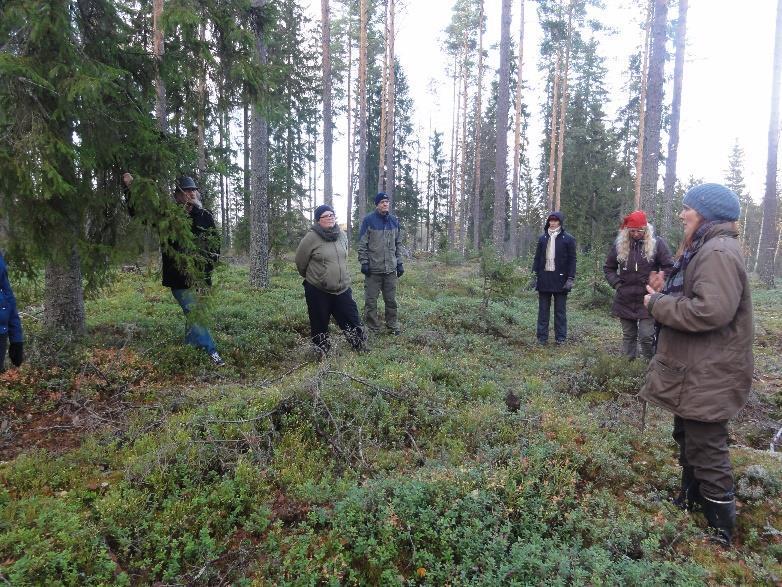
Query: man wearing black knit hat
<point x="380" y="255"/>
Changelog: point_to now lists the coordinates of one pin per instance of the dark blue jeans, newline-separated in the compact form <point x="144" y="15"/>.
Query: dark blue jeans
<point x="560" y="315"/>
<point x="196" y="334"/>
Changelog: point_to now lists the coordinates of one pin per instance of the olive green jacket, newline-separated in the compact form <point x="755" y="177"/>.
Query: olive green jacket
<point x="703" y="367"/>
<point x="324" y="263"/>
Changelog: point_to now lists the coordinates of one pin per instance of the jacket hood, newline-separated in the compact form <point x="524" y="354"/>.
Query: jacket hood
<point x="556" y="214"/>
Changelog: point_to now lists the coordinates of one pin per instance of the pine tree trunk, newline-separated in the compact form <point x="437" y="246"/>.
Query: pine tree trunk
<point x="665" y="223"/>
<point x="563" y="110"/>
<point x="381" y="152"/>
<point x="259" y="205"/>
<point x="552" y="147"/>
<point x="201" y="92"/>
<point x="463" y="163"/>
<point x="349" y="110"/>
<point x="769" y="230"/>
<point x="246" y="139"/>
<point x="328" y="197"/>
<point x="501" y="168"/>
<point x="513" y="249"/>
<point x="476" y="194"/>
<point x="362" y="111"/>
<point x="654" y="110"/>
<point x="454" y="142"/>
<point x="158" y="49"/>
<point x="639" y="156"/>
<point x="390" y="105"/>
<point x="64" y="295"/>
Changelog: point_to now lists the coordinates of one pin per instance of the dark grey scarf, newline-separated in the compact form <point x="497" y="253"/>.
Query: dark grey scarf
<point x="327" y="234"/>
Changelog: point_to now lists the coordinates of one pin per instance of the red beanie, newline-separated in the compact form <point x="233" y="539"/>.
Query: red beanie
<point x="635" y="219"/>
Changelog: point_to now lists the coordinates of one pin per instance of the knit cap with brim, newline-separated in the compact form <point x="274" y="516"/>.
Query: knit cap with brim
<point x="714" y="202"/>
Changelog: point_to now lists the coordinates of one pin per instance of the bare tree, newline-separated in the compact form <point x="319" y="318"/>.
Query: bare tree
<point x="654" y="109"/>
<point x="553" y="134"/>
<point x="259" y="202"/>
<point x="476" y="197"/>
<point x="513" y="249"/>
<point x="158" y="49"/>
<point x="327" y="122"/>
<point x="673" y="135"/>
<point x="362" y="109"/>
<point x="501" y="168"/>
<point x="769" y="233"/>
<point x="563" y="108"/>
<point x="642" y="103"/>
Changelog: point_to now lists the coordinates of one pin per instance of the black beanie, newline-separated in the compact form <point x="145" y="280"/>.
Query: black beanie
<point x="321" y="209"/>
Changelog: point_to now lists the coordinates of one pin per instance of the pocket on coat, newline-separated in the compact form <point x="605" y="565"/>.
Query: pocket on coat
<point x="664" y="381"/>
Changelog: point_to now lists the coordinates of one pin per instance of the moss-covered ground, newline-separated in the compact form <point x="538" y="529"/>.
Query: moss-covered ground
<point x="129" y="460"/>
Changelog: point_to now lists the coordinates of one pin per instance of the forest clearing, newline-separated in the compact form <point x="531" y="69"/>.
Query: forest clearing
<point x="128" y="459"/>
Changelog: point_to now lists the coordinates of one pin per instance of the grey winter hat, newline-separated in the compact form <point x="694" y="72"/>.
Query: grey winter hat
<point x="186" y="183"/>
<point x="714" y="202"/>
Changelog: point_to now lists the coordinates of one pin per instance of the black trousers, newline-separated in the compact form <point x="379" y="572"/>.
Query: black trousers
<point x="560" y="315"/>
<point x="321" y="306"/>
<point x="704" y="447"/>
<point x="3" y="351"/>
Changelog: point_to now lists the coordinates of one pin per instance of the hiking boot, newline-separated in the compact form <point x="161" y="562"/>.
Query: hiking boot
<point x="217" y="359"/>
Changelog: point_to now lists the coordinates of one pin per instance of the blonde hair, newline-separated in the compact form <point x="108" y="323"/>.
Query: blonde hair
<point x="623" y="241"/>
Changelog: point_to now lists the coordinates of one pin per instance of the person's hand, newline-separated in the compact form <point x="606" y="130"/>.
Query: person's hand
<point x="16" y="352"/>
<point x="365" y="268"/>
<point x="534" y="284"/>
<point x="127" y="179"/>
<point x="648" y="296"/>
<point x="569" y="284"/>
<point x="399" y="270"/>
<point x="657" y="280"/>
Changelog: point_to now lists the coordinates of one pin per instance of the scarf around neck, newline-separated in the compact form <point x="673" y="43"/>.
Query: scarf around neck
<point x="675" y="283"/>
<point x="327" y="234"/>
<point x="550" y="249"/>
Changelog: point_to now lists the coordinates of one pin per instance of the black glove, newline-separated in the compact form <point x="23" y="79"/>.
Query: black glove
<point x="399" y="270"/>
<point x="365" y="268"/>
<point x="16" y="352"/>
<point x="569" y="284"/>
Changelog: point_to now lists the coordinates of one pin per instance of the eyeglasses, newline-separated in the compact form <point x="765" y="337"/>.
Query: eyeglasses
<point x="328" y="215"/>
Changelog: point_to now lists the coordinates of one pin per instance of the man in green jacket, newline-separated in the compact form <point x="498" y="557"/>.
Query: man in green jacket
<point x="380" y="255"/>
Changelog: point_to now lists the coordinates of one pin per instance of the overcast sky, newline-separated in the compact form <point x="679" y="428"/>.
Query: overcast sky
<point x="726" y="90"/>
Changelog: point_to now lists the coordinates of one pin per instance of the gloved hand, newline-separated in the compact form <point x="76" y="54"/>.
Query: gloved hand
<point x="569" y="283"/>
<point x="365" y="268"/>
<point x="16" y="352"/>
<point x="399" y="270"/>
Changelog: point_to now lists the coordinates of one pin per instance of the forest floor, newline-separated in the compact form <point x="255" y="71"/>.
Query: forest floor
<point x="126" y="458"/>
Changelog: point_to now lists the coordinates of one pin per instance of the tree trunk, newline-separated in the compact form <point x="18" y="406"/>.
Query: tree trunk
<point x="639" y="156"/>
<point x="476" y="195"/>
<point x="463" y="163"/>
<point x="259" y="205"/>
<point x="513" y="249"/>
<point x="64" y="295"/>
<point x="769" y="230"/>
<point x="501" y="169"/>
<point x="454" y="141"/>
<point x="381" y="151"/>
<point x="654" y="110"/>
<point x="328" y="197"/>
<point x="158" y="49"/>
<point x="349" y="191"/>
<point x="390" y="105"/>
<point x="552" y="148"/>
<point x="246" y="138"/>
<point x="201" y="92"/>
<point x="362" y="110"/>
<point x="665" y="223"/>
<point x="563" y="110"/>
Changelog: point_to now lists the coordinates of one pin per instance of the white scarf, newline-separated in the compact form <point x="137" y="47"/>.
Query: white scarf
<point x="552" y="234"/>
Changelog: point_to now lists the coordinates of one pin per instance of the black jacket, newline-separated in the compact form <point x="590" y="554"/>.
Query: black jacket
<point x="207" y="243"/>
<point x="564" y="259"/>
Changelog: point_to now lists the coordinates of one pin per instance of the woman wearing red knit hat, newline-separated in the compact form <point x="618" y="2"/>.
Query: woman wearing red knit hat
<point x="635" y="254"/>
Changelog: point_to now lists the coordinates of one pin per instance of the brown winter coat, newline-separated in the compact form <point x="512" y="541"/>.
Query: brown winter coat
<point x="703" y="366"/>
<point x="323" y="263"/>
<point x="629" y="278"/>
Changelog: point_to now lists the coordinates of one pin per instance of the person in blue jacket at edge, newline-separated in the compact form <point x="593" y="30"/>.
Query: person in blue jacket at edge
<point x="11" y="338"/>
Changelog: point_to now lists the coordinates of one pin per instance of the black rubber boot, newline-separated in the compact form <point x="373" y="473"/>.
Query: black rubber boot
<point x="721" y="515"/>
<point x="689" y="497"/>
